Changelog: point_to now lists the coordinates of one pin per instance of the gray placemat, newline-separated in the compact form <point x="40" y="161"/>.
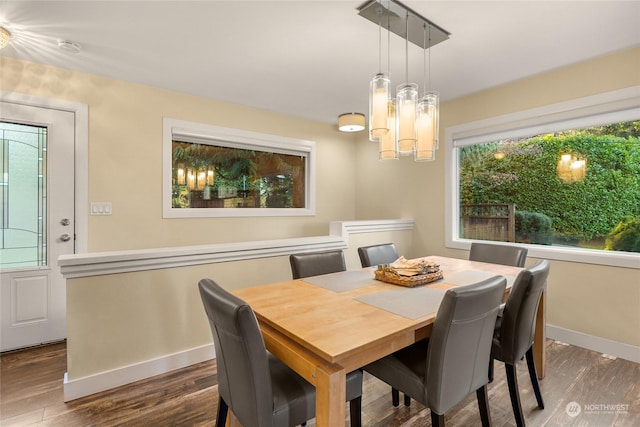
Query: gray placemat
<point x="468" y="277"/>
<point x="343" y="281"/>
<point x="411" y="303"/>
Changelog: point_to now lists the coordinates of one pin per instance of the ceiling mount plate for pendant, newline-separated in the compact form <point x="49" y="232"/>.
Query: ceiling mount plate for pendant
<point x="394" y="14"/>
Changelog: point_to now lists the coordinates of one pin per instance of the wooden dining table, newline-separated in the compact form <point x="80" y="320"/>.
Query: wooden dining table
<point x="326" y="326"/>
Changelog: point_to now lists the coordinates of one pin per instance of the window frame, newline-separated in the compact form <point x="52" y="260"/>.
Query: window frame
<point x="609" y="107"/>
<point x="234" y="138"/>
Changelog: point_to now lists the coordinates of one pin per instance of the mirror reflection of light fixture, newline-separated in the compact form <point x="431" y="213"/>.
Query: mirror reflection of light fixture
<point x="417" y="119"/>
<point x="201" y="179"/>
<point x="191" y="179"/>
<point x="180" y="174"/>
<point x="571" y="168"/>
<point x="351" y="122"/>
<point x="5" y="37"/>
<point x="210" y="175"/>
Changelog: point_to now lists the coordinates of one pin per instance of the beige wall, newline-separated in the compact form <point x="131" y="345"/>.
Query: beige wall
<point x="125" y="159"/>
<point x="595" y="300"/>
<point x="123" y="319"/>
<point x="119" y="320"/>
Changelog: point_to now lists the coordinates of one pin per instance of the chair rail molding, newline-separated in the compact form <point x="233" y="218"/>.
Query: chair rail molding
<point x="101" y="263"/>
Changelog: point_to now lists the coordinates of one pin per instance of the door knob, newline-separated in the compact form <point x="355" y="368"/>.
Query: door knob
<point x="65" y="237"/>
<point x="65" y="221"/>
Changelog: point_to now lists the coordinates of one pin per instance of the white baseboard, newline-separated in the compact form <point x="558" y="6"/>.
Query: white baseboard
<point x="80" y="387"/>
<point x="601" y="345"/>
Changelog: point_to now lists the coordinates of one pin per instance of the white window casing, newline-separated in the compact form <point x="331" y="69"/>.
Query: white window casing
<point x="610" y="107"/>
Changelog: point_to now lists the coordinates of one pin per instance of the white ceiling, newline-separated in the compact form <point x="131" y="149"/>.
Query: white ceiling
<point x="312" y="59"/>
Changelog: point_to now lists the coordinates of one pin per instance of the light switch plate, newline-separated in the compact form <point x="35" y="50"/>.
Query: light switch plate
<point x="100" y="208"/>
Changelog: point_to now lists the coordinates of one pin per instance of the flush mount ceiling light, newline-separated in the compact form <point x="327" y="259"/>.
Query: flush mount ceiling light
<point x="415" y="125"/>
<point x="351" y="122"/>
<point x="5" y="36"/>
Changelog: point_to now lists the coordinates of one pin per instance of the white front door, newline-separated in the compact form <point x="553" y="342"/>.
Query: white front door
<point x="38" y="224"/>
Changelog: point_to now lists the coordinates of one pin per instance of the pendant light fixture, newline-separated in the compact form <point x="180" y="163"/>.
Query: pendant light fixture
<point x="388" y="144"/>
<point x="406" y="106"/>
<point x="427" y="119"/>
<point x="379" y="95"/>
<point x="410" y="125"/>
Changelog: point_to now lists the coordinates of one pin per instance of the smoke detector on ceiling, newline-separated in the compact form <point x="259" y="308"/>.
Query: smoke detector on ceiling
<point x="68" y="46"/>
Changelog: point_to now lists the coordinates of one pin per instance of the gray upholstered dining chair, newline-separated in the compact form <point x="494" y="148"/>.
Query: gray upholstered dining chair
<point x="498" y="254"/>
<point x="254" y="384"/>
<point x="316" y="263"/>
<point x="384" y="253"/>
<point x="515" y="329"/>
<point x="441" y="371"/>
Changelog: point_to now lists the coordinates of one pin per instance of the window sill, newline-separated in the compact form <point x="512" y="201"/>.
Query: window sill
<point x="569" y="254"/>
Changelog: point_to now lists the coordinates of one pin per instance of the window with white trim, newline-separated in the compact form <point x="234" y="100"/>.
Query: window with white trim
<point x="210" y="171"/>
<point x="562" y="179"/>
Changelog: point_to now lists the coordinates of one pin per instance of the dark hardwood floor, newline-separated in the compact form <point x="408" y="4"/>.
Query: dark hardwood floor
<point x="607" y="390"/>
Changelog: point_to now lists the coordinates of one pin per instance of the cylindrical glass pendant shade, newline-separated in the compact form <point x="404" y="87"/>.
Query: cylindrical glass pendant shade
<point x="388" y="142"/>
<point x="435" y="101"/>
<point x="427" y="123"/>
<point x="378" y="112"/>
<point x="406" y="105"/>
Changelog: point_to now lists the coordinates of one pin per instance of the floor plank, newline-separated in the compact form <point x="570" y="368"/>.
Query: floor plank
<point x="607" y="390"/>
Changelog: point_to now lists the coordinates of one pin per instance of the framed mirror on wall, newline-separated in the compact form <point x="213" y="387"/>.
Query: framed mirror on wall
<point x="211" y="171"/>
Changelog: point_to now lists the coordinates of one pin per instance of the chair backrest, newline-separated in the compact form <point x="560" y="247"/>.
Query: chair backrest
<point x="316" y="263"/>
<point x="519" y="316"/>
<point x="377" y="254"/>
<point x="244" y="381"/>
<point x="460" y="343"/>
<point x="498" y="254"/>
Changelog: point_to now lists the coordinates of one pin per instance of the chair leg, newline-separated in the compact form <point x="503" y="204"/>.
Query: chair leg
<point x="483" y="405"/>
<point x="491" y="370"/>
<point x="407" y="400"/>
<point x="355" y="411"/>
<point x="395" y="397"/>
<point x="437" y="420"/>
<point x="534" y="377"/>
<point x="221" y="419"/>
<point x="512" y="381"/>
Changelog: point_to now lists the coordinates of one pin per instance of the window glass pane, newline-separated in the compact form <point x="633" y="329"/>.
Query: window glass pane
<point x="214" y="176"/>
<point x="22" y="195"/>
<point x="577" y="188"/>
